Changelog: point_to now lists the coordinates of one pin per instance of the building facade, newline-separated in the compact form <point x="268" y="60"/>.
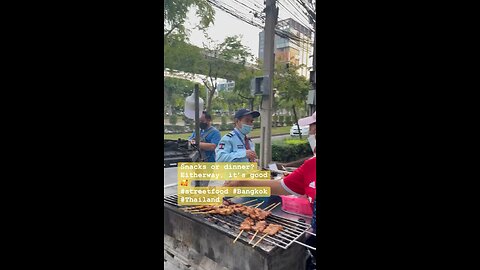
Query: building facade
<point x="291" y="51"/>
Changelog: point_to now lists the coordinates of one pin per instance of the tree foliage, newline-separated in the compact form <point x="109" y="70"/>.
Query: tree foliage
<point x="242" y="85"/>
<point x="292" y="88"/>
<point x="223" y="60"/>
<point x="175" y="92"/>
<point x="175" y="13"/>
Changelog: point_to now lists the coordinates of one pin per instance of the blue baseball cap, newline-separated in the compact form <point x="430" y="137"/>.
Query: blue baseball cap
<point x="243" y="112"/>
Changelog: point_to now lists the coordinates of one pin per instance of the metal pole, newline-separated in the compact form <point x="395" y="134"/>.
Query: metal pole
<point x="314" y="79"/>
<point x="197" y="116"/>
<point x="266" y="107"/>
<point x="206" y="101"/>
<point x="296" y="122"/>
<point x="197" y="127"/>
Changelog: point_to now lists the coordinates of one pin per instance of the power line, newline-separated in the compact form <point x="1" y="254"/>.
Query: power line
<point x="235" y="14"/>
<point x="255" y="4"/>
<point x="311" y="14"/>
<point x="296" y="18"/>
<point x="249" y="8"/>
<point x="257" y="13"/>
<point x="236" y="9"/>
<point x="278" y="32"/>
<point x="296" y="10"/>
<point x="287" y="10"/>
<point x="302" y="15"/>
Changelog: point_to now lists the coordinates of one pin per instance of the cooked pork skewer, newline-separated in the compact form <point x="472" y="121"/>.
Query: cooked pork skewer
<point x="271" y="229"/>
<point x="246" y="225"/>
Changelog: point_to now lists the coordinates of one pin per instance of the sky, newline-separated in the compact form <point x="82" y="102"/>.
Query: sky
<point x="224" y="25"/>
<point x="227" y="25"/>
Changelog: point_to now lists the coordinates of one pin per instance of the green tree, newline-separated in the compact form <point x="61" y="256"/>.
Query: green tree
<point x="243" y="82"/>
<point x="179" y="55"/>
<point x="223" y="60"/>
<point x="175" y="92"/>
<point x="175" y="13"/>
<point x="292" y="88"/>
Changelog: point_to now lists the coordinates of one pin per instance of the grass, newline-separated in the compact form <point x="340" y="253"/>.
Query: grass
<point x="254" y="133"/>
<point x="290" y="140"/>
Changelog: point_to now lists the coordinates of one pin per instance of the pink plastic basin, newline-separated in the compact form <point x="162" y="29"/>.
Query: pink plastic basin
<point x="296" y="205"/>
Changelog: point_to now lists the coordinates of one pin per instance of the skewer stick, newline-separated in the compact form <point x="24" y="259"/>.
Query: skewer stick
<point x="199" y="207"/>
<point x="253" y="237"/>
<point x="238" y="236"/>
<point x="248" y="201"/>
<point x="208" y="212"/>
<point x="273" y="206"/>
<point x="260" y="239"/>
<point x="199" y="210"/>
<point x="257" y="205"/>
<point x="266" y="208"/>
<point x="193" y="207"/>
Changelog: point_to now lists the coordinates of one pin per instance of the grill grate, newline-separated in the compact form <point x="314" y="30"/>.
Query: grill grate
<point x="292" y="230"/>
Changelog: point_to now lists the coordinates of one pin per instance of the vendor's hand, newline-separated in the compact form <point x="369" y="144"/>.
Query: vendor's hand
<point x="251" y="155"/>
<point x="280" y="165"/>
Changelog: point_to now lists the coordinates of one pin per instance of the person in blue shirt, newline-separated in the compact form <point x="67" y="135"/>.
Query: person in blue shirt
<point x="209" y="139"/>
<point x="235" y="146"/>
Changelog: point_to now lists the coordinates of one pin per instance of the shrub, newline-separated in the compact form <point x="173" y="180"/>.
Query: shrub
<point x="289" y="151"/>
<point x="256" y="124"/>
<point x="173" y="119"/>
<point x="295" y="141"/>
<point x="224" y="120"/>
<point x="174" y="129"/>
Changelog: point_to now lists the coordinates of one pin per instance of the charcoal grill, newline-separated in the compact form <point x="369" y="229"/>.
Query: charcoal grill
<point x="212" y="236"/>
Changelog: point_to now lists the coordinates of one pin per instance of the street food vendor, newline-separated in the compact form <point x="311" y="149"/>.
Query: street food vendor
<point x="312" y="131"/>
<point x="301" y="181"/>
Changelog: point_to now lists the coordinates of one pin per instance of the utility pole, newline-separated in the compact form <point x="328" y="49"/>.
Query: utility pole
<point x="197" y="115"/>
<point x="271" y="12"/>
<point x="313" y="79"/>
<point x="313" y="74"/>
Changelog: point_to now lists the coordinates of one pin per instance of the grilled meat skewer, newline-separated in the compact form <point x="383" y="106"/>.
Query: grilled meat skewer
<point x="273" y="229"/>
<point x="247" y="224"/>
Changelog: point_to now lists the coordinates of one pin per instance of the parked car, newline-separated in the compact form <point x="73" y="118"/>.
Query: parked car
<point x="294" y="132"/>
